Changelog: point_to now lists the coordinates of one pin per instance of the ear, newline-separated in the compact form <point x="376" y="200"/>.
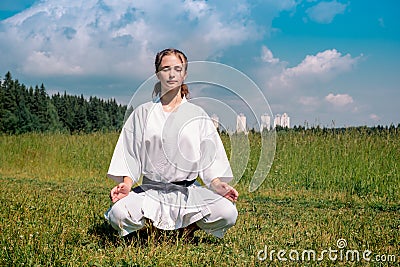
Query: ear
<point x="158" y="75"/>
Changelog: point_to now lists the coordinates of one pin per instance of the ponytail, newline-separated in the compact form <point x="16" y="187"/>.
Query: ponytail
<point x="185" y="91"/>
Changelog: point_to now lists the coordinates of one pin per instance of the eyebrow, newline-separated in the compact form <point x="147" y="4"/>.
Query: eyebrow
<point x="165" y="67"/>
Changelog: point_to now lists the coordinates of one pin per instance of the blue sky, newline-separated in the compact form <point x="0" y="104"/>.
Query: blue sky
<point x="322" y="62"/>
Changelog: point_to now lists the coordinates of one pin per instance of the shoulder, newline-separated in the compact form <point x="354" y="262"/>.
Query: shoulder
<point x="197" y="115"/>
<point x="145" y="106"/>
<point x="139" y="115"/>
<point x="143" y="110"/>
<point x="194" y="109"/>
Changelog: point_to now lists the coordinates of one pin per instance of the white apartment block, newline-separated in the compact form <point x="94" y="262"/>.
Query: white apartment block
<point x="285" y="120"/>
<point x="241" y="123"/>
<point x="265" y="122"/>
<point x="282" y="120"/>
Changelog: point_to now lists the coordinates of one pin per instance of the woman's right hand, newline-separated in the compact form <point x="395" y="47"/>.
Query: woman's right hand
<point x="120" y="191"/>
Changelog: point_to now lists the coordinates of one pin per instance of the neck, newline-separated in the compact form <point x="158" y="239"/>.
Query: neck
<point x="171" y="99"/>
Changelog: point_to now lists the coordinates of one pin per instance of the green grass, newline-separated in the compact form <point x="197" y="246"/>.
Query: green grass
<point x="322" y="187"/>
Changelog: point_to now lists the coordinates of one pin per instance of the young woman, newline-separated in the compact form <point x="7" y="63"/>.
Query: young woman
<point x="169" y="143"/>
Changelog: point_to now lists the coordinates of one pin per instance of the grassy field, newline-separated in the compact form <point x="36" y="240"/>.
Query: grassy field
<point x="324" y="191"/>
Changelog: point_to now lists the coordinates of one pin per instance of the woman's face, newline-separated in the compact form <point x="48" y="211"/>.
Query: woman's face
<point x="172" y="73"/>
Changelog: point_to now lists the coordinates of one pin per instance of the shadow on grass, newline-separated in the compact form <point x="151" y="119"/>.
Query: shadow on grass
<point x="104" y="233"/>
<point x="107" y="236"/>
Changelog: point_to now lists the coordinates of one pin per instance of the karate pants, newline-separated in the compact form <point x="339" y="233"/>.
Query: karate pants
<point x="126" y="215"/>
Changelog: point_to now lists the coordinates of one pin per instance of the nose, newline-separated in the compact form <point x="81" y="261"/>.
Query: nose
<point x="171" y="73"/>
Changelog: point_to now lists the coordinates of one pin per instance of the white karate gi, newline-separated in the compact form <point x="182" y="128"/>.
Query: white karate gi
<point x="170" y="147"/>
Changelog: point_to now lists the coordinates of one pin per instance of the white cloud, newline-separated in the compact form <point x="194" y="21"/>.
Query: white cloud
<point x="322" y="63"/>
<point x="282" y="4"/>
<point x="325" y="12"/>
<point x="196" y="9"/>
<point x="322" y="66"/>
<point x="38" y="63"/>
<point x="267" y="56"/>
<point x="374" y="117"/>
<point x="108" y="38"/>
<point x="339" y="100"/>
<point x="222" y="35"/>
<point x="301" y="89"/>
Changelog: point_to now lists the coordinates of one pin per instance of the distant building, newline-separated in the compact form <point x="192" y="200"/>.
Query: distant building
<point x="285" y="120"/>
<point x="241" y="123"/>
<point x="215" y="120"/>
<point x="265" y="122"/>
<point x="282" y="120"/>
<point x="277" y="120"/>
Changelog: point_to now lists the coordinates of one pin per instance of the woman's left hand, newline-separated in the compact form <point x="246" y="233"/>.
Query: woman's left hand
<point x="224" y="190"/>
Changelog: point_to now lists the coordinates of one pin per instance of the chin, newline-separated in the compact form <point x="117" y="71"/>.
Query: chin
<point x="171" y="88"/>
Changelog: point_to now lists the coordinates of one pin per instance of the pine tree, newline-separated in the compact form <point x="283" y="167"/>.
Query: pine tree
<point x="81" y="123"/>
<point x="9" y="119"/>
<point x="25" y="118"/>
<point x="96" y="114"/>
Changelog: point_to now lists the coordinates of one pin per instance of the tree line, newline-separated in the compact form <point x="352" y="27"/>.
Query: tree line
<point x="24" y="109"/>
<point x="369" y="130"/>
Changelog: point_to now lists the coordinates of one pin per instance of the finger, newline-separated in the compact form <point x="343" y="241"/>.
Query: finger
<point x="231" y="199"/>
<point x="228" y="196"/>
<point x="114" y="190"/>
<point x="236" y="193"/>
<point x="230" y="191"/>
<point x="232" y="195"/>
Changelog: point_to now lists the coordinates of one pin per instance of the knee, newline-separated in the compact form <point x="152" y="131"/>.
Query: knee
<point x="115" y="215"/>
<point x="229" y="214"/>
<point x="124" y="220"/>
